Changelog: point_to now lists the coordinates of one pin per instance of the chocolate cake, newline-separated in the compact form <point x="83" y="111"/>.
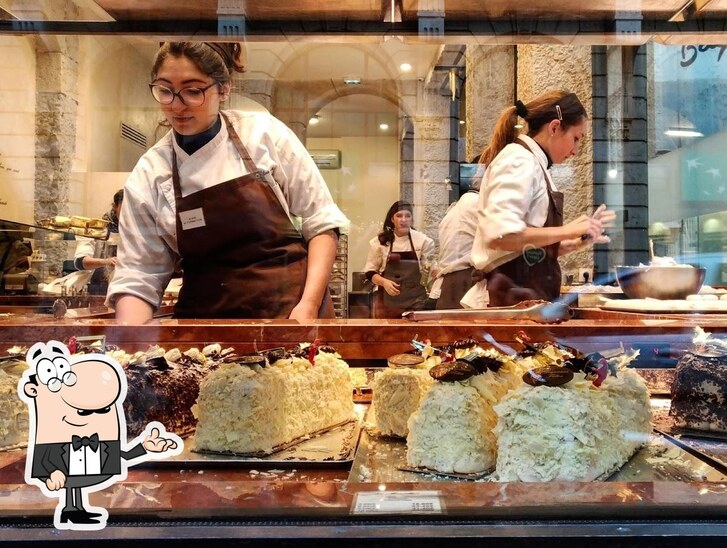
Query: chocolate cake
<point x="699" y="392"/>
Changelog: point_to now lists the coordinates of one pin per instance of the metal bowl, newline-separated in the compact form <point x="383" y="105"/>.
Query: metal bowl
<point x="659" y="282"/>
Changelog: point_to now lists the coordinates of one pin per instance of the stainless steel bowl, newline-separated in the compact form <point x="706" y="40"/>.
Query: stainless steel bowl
<point x="659" y="282"/>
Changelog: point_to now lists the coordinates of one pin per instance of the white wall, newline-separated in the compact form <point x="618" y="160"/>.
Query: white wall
<point x="17" y="128"/>
<point x="364" y="188"/>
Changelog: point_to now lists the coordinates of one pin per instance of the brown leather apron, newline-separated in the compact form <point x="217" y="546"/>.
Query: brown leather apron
<point x="402" y="268"/>
<point x="241" y="255"/>
<point x="535" y="273"/>
<point x="454" y="287"/>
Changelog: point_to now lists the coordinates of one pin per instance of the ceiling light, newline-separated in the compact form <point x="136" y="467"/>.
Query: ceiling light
<point x="314" y="120"/>
<point x="352" y="80"/>
<point x="405" y="67"/>
<point x="383" y="127"/>
<point x="612" y="173"/>
<point x="683" y="132"/>
<point x="461" y="122"/>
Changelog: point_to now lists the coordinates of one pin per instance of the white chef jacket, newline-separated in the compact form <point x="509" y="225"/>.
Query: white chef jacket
<point x="148" y="252"/>
<point x="456" y="237"/>
<point x="513" y="196"/>
<point x="85" y="247"/>
<point x="423" y="246"/>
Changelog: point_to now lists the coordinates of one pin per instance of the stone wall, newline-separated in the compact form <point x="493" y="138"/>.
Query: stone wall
<point x="542" y="68"/>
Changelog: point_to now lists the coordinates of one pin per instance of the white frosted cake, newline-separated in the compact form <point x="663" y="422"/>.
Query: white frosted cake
<point x="452" y="431"/>
<point x="13" y="411"/>
<point x="255" y="409"/>
<point x="397" y="393"/>
<point x="572" y="432"/>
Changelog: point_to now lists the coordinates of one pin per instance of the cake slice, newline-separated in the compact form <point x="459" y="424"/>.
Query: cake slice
<point x="257" y="407"/>
<point x="452" y="430"/>
<point x="572" y="432"/>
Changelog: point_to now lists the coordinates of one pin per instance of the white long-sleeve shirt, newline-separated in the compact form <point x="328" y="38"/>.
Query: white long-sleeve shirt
<point x="456" y="237"/>
<point x="513" y="196"/>
<point x="378" y="254"/>
<point x="148" y="251"/>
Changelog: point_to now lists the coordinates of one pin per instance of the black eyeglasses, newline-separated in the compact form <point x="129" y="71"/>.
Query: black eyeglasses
<point x="192" y="97"/>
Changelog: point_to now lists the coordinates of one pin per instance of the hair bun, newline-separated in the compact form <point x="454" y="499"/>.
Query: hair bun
<point x="521" y="109"/>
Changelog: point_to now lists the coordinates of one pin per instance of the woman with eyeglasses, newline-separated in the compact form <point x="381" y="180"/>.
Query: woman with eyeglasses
<point x="520" y="232"/>
<point x="217" y="197"/>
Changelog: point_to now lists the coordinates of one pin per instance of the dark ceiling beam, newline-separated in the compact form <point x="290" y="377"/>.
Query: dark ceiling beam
<point x="276" y="29"/>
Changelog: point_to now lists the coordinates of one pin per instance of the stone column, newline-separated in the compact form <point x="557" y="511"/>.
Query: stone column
<point x="543" y="68"/>
<point x="490" y="87"/>
<point x="55" y="129"/>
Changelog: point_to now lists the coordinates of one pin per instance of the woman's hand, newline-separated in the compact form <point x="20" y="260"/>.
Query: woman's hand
<point x="391" y="287"/>
<point x="304" y="311"/>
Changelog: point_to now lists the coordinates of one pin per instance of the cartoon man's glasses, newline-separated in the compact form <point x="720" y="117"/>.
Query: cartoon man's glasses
<point x="54" y="374"/>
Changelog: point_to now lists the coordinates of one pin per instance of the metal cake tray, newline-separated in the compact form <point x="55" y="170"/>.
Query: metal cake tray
<point x="331" y="448"/>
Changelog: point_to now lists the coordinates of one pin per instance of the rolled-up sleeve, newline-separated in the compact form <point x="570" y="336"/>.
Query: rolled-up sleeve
<point x="507" y="196"/>
<point x="145" y="263"/>
<point x="375" y="258"/>
<point x="304" y="188"/>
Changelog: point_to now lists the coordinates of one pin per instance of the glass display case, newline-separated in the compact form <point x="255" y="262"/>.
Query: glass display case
<point x="403" y="95"/>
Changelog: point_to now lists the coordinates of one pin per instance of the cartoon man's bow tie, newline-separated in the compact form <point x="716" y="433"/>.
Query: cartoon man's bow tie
<point x="85" y="441"/>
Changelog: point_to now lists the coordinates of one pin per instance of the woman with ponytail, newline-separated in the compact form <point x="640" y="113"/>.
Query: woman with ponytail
<point x="232" y="198"/>
<point x="520" y="232"/>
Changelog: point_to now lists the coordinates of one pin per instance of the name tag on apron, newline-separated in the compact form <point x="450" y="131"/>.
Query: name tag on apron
<point x="194" y="218"/>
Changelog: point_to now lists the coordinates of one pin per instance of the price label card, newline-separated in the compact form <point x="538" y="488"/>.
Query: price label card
<point x="397" y="502"/>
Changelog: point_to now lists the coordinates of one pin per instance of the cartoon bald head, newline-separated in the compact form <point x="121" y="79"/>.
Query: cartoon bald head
<point x="73" y="395"/>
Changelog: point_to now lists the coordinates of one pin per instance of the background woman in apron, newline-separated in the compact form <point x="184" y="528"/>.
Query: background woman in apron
<point x="520" y="232"/>
<point x="232" y="198"/>
<point x="396" y="264"/>
<point x="100" y="256"/>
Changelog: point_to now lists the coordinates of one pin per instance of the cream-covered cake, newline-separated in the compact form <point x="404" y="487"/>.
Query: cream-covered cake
<point x="572" y="432"/>
<point x="255" y="408"/>
<point x="452" y="431"/>
<point x="13" y="411"/>
<point x="397" y="393"/>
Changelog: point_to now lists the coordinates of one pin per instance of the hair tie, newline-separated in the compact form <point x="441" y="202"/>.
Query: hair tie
<point x="222" y="52"/>
<point x="521" y="109"/>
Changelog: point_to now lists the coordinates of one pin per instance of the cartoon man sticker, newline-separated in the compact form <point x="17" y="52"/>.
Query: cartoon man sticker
<point x="77" y="438"/>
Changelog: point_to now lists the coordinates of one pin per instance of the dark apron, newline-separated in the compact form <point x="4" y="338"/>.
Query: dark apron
<point x="454" y="287"/>
<point x="535" y="273"/>
<point x="247" y="260"/>
<point x="402" y="268"/>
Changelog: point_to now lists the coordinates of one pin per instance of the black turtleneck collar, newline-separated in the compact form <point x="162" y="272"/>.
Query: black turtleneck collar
<point x="547" y="156"/>
<point x="192" y="143"/>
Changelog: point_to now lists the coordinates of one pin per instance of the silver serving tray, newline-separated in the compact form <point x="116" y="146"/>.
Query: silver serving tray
<point x="382" y="460"/>
<point x="331" y="448"/>
<point x="541" y="312"/>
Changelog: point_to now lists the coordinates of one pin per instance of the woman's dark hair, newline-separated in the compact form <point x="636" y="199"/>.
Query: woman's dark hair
<point x="386" y="236"/>
<point x="118" y="197"/>
<point x="218" y="60"/>
<point x="554" y="105"/>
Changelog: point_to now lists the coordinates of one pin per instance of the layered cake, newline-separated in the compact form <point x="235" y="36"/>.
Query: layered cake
<point x="161" y="385"/>
<point x="562" y="426"/>
<point x="164" y="385"/>
<point x="263" y="402"/>
<point x="699" y="390"/>
<point x="452" y="430"/>
<point x="397" y="393"/>
<point x="13" y="411"/>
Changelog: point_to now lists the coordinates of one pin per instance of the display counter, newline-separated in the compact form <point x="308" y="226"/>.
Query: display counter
<point x="168" y="500"/>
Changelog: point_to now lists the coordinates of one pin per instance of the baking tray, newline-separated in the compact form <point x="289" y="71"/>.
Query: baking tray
<point x="332" y="448"/>
<point x="382" y="460"/>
